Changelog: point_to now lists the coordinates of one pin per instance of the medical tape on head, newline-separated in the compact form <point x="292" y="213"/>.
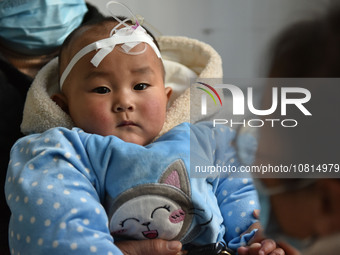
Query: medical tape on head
<point x="106" y="46"/>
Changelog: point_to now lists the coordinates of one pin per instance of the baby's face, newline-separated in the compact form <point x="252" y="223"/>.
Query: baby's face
<point x="124" y="96"/>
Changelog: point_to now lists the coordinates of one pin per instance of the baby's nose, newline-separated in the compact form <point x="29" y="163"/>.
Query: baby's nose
<point x="123" y="105"/>
<point x="121" y="108"/>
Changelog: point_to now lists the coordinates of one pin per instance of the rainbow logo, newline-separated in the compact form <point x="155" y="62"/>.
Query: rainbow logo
<point x="204" y="96"/>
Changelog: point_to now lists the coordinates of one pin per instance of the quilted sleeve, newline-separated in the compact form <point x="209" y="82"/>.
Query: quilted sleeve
<point x="235" y="192"/>
<point x="54" y="197"/>
<point x="237" y="200"/>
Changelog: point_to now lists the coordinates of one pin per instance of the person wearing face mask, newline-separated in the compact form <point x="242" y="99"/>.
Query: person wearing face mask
<point x="303" y="210"/>
<point x="30" y="35"/>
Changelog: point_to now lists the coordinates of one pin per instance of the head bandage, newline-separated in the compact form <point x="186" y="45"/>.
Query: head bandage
<point x="127" y="37"/>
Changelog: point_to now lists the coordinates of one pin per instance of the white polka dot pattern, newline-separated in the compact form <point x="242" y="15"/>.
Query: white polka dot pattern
<point x="56" y="183"/>
<point x="42" y="183"/>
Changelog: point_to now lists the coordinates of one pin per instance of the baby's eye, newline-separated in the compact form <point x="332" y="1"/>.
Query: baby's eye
<point x="101" y="90"/>
<point x="140" y="86"/>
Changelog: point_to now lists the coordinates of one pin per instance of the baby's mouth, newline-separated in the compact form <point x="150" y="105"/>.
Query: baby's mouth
<point x="126" y="123"/>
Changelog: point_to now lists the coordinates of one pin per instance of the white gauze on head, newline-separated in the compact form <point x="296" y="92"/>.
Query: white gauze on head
<point x="127" y="37"/>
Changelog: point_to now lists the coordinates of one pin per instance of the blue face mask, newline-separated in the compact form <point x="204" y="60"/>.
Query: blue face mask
<point x="271" y="227"/>
<point x="36" y="27"/>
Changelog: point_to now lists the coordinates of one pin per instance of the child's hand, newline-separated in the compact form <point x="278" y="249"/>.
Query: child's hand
<point x="260" y="246"/>
<point x="266" y="247"/>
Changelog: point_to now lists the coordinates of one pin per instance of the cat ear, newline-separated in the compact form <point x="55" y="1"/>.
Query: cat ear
<point x="176" y="175"/>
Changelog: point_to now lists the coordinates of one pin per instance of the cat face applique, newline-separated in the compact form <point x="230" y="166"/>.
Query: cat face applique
<point x="154" y="210"/>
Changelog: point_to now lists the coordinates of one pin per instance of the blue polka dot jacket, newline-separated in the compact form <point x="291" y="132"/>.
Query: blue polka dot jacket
<point x="71" y="192"/>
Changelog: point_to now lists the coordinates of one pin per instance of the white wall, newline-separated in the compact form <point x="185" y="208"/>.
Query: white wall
<point x="238" y="29"/>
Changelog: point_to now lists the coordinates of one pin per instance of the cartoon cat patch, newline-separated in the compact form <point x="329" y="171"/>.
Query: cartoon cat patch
<point x="156" y="210"/>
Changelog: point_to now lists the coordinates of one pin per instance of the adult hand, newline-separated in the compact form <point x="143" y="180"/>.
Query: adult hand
<point x="150" y="247"/>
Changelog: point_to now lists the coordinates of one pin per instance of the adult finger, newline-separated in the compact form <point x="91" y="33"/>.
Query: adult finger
<point x="277" y="251"/>
<point x="252" y="249"/>
<point x="268" y="245"/>
<point x="150" y="247"/>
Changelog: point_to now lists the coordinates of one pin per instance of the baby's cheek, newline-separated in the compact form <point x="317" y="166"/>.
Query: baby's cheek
<point x="91" y="117"/>
<point x="177" y="216"/>
<point x="154" y="110"/>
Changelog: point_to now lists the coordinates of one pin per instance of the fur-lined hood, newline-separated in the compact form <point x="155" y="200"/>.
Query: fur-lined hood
<point x="184" y="59"/>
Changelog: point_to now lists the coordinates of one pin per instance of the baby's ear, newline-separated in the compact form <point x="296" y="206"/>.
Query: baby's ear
<point x="61" y="101"/>
<point x="168" y="92"/>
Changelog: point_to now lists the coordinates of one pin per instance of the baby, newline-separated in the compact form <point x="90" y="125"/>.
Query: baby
<point x="125" y="94"/>
<point x="112" y="86"/>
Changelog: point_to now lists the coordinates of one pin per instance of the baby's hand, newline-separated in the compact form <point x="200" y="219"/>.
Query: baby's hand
<point x="266" y="247"/>
<point x="260" y="246"/>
